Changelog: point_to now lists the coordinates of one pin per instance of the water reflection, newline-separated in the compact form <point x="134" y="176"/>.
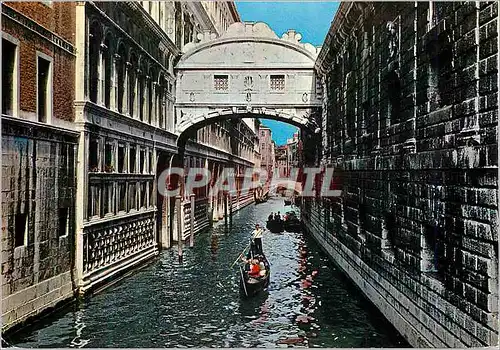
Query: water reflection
<point x="79" y="325"/>
<point x="198" y="303"/>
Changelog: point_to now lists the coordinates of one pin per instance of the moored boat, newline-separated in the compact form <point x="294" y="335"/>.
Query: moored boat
<point x="275" y="226"/>
<point x="292" y="222"/>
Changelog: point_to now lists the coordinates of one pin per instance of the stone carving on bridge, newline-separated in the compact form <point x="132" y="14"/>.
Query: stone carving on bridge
<point x="241" y="30"/>
<point x="248" y="82"/>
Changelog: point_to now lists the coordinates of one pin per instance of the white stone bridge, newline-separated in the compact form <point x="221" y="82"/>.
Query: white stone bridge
<point x="247" y="72"/>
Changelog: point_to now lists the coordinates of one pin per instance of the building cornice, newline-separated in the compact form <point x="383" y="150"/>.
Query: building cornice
<point x="340" y="28"/>
<point x="201" y="15"/>
<point x="234" y="11"/>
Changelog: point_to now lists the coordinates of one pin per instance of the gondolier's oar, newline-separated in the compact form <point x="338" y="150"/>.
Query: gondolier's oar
<point x="239" y="256"/>
<point x="243" y="281"/>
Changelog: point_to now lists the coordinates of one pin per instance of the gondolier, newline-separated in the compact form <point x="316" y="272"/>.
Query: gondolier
<point x="257" y="238"/>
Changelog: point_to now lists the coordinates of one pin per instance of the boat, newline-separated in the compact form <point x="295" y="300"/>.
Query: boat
<point x="260" y="200"/>
<point x="292" y="222"/>
<point x="249" y="285"/>
<point x="288" y="201"/>
<point x="275" y="226"/>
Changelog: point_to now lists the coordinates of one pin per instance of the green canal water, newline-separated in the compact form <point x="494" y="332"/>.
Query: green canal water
<point x="198" y="304"/>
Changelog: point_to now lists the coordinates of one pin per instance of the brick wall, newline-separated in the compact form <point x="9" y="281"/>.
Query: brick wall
<point x="411" y="118"/>
<point x="57" y="19"/>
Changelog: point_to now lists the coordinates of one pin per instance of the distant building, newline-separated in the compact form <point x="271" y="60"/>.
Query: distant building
<point x="292" y="151"/>
<point x="267" y="150"/>
<point x="282" y="160"/>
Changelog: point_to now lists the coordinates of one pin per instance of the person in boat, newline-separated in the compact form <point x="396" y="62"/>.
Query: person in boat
<point x="277" y="217"/>
<point x="271" y="217"/>
<point x="262" y="268"/>
<point x="257" y="238"/>
<point x="254" y="267"/>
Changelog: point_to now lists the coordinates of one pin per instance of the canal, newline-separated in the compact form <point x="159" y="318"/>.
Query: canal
<point x="197" y="303"/>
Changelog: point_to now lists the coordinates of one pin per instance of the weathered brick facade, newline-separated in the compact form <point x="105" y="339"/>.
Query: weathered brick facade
<point x="410" y="115"/>
<point x="49" y="30"/>
<point x="38" y="161"/>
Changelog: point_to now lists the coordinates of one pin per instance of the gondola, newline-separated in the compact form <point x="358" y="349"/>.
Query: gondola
<point x="292" y="225"/>
<point x="260" y="200"/>
<point x="288" y="202"/>
<point x="292" y="222"/>
<point x="249" y="285"/>
<point x="275" y="226"/>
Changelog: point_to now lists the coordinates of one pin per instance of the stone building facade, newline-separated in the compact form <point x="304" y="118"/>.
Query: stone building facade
<point x="267" y="150"/>
<point x="38" y="157"/>
<point x="409" y="121"/>
<point x="281" y="160"/>
<point x="126" y="117"/>
<point x="88" y="125"/>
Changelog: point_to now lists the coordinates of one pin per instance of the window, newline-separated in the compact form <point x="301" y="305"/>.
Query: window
<point x="122" y="195"/>
<point x="151" y="195"/>
<point x="106" y="57"/>
<point x="433" y="251"/>
<point x="94" y="199"/>
<point x="142" y="161"/>
<point x="389" y="230"/>
<point x="63" y="221"/>
<point x="9" y="79"/>
<point x="44" y="91"/>
<point x="221" y="82"/>
<point x="20" y="229"/>
<point x="132" y="160"/>
<point x="120" y="72"/>
<point x="150" y="162"/>
<point x="277" y="82"/>
<point x="121" y="158"/>
<point x="142" y="96"/>
<point x="144" y="198"/>
<point x="394" y="92"/>
<point x="132" y="202"/>
<point x="93" y="154"/>
<point x="108" y="199"/>
<point x="109" y="157"/>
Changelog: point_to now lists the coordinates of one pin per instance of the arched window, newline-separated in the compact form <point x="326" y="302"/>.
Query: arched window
<point x="132" y="85"/>
<point x="150" y="96"/>
<point x="142" y="97"/>
<point x="106" y="69"/>
<point x="120" y="77"/>
<point x="94" y="43"/>
<point x="159" y="101"/>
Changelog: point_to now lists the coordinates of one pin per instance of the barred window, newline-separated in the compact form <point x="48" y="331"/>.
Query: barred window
<point x="221" y="82"/>
<point x="277" y="82"/>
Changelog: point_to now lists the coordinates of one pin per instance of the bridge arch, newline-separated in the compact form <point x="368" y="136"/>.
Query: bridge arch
<point x="247" y="72"/>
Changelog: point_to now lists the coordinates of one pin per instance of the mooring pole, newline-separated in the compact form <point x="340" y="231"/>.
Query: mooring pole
<point x="225" y="208"/>
<point x="179" y="225"/>
<point x="191" y="228"/>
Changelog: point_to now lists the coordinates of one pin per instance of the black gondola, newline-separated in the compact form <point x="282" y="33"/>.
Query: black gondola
<point x="288" y="202"/>
<point x="275" y="226"/>
<point x="260" y="200"/>
<point x="292" y="222"/>
<point x="250" y="285"/>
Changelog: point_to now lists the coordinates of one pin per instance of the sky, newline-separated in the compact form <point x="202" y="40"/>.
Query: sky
<point x="311" y="19"/>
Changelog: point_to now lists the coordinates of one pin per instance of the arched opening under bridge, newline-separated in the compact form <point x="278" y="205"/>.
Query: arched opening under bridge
<point x="247" y="72"/>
